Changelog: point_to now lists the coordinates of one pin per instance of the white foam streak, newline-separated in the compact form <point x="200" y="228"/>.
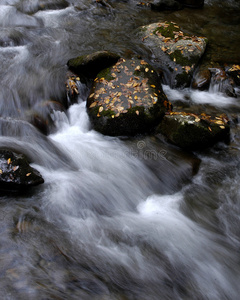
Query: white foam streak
<point x="200" y="97"/>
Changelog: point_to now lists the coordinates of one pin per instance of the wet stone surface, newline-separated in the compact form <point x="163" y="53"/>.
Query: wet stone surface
<point x="16" y="173"/>
<point x="127" y="99"/>
<point x="176" y="52"/>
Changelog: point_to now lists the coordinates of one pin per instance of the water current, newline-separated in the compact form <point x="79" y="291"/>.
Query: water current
<point x="116" y="218"/>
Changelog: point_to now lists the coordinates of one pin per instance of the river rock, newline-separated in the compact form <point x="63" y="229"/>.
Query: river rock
<point x="194" y="132"/>
<point x="127" y="99"/>
<point x="201" y="79"/>
<point x="90" y="65"/>
<point x="41" y="115"/>
<point x="234" y="73"/>
<point x="32" y="7"/>
<point x="16" y="173"/>
<point x="176" y="53"/>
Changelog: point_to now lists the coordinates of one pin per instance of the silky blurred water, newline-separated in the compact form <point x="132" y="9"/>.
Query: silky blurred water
<point x="116" y="218"/>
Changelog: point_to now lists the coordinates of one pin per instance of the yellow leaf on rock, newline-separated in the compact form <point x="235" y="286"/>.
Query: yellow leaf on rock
<point x="9" y="161"/>
<point x="93" y="104"/>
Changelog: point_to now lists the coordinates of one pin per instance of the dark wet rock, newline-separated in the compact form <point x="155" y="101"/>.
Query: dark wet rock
<point x="176" y="53"/>
<point x="127" y="99"/>
<point x="234" y="73"/>
<point x="194" y="132"/>
<point x="31" y="7"/>
<point x="192" y="3"/>
<point x="221" y="82"/>
<point x="90" y="65"/>
<point x="201" y="79"/>
<point x="162" y="4"/>
<point x="42" y="115"/>
<point x="16" y="173"/>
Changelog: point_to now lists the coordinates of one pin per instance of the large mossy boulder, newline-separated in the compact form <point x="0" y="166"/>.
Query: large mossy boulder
<point x="194" y="132"/>
<point x="16" y="173"/>
<point x="91" y="64"/>
<point x="127" y="99"/>
<point x="176" y="53"/>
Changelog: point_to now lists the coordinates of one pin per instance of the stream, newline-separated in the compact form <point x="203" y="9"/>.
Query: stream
<point x="117" y="218"/>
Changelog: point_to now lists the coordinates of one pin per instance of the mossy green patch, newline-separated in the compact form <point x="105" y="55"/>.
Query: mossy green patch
<point x="106" y="74"/>
<point x="183" y="60"/>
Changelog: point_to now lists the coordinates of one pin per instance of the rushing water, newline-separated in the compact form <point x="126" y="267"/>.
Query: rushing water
<point x="115" y="218"/>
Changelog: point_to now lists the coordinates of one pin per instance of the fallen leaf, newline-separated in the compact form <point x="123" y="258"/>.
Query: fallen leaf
<point x="9" y="161"/>
<point x="199" y="48"/>
<point x="219" y="122"/>
<point x="93" y="104"/>
<point x="28" y="174"/>
<point x="15" y="168"/>
<point x="222" y="127"/>
<point x="1" y="171"/>
<point x="164" y="49"/>
<point x="146" y="70"/>
<point x="100" y="109"/>
<point x="137" y="112"/>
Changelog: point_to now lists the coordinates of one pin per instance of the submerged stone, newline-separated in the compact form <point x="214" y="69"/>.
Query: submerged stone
<point x="16" y="173"/>
<point x="176" y="53"/>
<point x="194" y="132"/>
<point x="127" y="99"/>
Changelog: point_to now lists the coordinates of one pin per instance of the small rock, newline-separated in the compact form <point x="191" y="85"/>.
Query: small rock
<point x="90" y="65"/>
<point x="194" y="132"/>
<point x="16" y="173"/>
<point x="234" y="73"/>
<point x="201" y="80"/>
